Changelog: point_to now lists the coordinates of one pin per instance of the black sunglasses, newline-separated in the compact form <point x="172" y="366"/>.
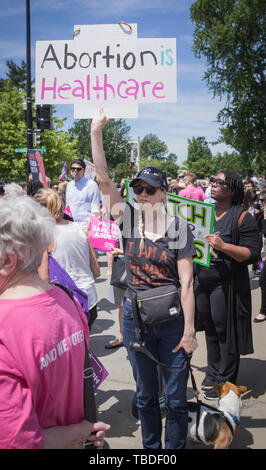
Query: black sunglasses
<point x="74" y="168"/>
<point x="217" y="181"/>
<point x="150" y="190"/>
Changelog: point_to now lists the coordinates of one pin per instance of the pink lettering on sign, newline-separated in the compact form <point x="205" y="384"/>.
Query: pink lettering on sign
<point x="103" y="234"/>
<point x="100" y="88"/>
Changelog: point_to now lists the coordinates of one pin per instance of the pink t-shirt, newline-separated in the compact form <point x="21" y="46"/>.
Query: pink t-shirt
<point x="41" y="366"/>
<point x="197" y="194"/>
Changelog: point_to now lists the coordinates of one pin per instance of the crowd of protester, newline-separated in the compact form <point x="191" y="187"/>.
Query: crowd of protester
<point x="35" y="230"/>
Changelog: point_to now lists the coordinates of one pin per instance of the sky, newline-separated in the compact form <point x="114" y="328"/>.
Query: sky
<point x="195" y="112"/>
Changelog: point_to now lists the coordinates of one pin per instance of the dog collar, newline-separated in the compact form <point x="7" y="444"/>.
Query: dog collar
<point x="227" y="420"/>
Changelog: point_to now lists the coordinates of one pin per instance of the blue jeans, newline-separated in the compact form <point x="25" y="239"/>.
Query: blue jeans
<point x="160" y="340"/>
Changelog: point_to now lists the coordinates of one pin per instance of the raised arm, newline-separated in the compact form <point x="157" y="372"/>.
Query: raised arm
<point x="113" y="200"/>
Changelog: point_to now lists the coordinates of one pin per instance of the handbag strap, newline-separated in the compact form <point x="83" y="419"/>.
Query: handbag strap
<point x="139" y="345"/>
<point x="88" y="392"/>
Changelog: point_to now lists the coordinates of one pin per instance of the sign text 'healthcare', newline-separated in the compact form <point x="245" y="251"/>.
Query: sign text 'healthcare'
<point x="139" y="70"/>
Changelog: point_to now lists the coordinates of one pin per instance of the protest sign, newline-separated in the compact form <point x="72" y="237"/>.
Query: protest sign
<point x="68" y="211"/>
<point x="36" y="166"/>
<point x="99" y="372"/>
<point x="199" y="216"/>
<point x="63" y="172"/>
<point x="112" y="31"/>
<point x="103" y="234"/>
<point x="106" y="70"/>
<point x="90" y="170"/>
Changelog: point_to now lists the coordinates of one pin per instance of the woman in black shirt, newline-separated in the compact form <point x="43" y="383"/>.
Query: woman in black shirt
<point x="222" y="291"/>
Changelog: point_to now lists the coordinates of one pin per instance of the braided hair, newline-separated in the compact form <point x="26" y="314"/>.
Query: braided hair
<point x="234" y="182"/>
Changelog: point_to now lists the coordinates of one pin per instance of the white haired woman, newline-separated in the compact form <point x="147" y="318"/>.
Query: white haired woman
<point x="41" y="370"/>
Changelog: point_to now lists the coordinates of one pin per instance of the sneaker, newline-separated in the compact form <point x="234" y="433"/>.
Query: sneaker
<point x="211" y="394"/>
<point x="207" y="384"/>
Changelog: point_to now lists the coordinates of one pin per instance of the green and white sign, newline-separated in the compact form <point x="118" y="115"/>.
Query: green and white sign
<point x="199" y="216"/>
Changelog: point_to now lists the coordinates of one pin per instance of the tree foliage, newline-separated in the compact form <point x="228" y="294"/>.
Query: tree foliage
<point x="169" y="168"/>
<point x="152" y="147"/>
<point x="115" y="140"/>
<point x="13" y="134"/>
<point x="230" y="34"/>
<point x="122" y="171"/>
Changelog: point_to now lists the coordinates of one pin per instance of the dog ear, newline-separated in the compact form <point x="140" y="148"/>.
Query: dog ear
<point x="217" y="388"/>
<point x="241" y="389"/>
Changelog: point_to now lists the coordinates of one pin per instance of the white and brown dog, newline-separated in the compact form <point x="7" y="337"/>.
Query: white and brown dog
<point x="214" y="426"/>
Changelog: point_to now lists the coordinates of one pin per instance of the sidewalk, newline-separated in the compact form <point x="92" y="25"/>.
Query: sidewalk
<point x="115" y="396"/>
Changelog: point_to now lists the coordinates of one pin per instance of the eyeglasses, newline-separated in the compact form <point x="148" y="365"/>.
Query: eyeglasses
<point x="150" y="190"/>
<point x="218" y="181"/>
<point x="74" y="168"/>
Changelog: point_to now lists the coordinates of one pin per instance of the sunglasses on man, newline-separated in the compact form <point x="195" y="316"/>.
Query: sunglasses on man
<point x="218" y="181"/>
<point x="74" y="168"/>
<point x="150" y="190"/>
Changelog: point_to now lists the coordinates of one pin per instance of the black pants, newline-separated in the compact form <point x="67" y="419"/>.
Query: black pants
<point x="212" y="309"/>
<point x="262" y="282"/>
<point x="92" y="315"/>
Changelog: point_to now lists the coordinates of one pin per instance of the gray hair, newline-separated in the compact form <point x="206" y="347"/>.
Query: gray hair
<point x="13" y="189"/>
<point x="26" y="229"/>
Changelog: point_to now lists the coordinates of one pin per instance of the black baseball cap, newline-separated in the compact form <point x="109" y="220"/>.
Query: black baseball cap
<point x="152" y="176"/>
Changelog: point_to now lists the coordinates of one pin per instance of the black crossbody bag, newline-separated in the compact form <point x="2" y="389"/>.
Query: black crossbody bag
<point x="155" y="301"/>
<point x="159" y="304"/>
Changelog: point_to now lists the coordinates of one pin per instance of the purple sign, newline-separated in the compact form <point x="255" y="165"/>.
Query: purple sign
<point x="99" y="372"/>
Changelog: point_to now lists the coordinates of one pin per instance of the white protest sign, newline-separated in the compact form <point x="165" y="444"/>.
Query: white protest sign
<point x="112" y="31"/>
<point x="90" y="170"/>
<point x="109" y="71"/>
<point x="199" y="216"/>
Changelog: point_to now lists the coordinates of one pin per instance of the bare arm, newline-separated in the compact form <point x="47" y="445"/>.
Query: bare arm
<point x="238" y="253"/>
<point x="113" y="200"/>
<point x="185" y="273"/>
<point x="94" y="265"/>
<point x="74" y="435"/>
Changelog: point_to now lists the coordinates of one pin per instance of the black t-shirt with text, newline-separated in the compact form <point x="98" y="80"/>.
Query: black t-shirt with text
<point x="156" y="264"/>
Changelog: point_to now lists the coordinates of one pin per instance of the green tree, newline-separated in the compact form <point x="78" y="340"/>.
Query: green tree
<point x="152" y="147"/>
<point x="228" y="161"/>
<point x="230" y="34"/>
<point x="198" y="149"/>
<point x="172" y="157"/>
<point x="81" y="132"/>
<point x="121" y="171"/>
<point x="115" y="140"/>
<point x="60" y="148"/>
<point x="169" y="168"/>
<point x="16" y="76"/>
<point x="13" y="134"/>
<point x="201" y="168"/>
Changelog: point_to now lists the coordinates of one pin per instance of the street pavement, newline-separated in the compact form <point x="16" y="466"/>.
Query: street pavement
<point x="115" y="396"/>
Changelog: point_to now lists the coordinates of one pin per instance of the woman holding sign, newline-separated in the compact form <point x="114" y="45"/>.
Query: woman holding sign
<point x="158" y="252"/>
<point x="222" y="291"/>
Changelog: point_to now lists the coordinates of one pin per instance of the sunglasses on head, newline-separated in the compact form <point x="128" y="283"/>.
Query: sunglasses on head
<point x="74" y="168"/>
<point x="217" y="181"/>
<point x="150" y="190"/>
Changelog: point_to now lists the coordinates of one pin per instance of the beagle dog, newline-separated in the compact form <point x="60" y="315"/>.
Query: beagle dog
<point x="214" y="426"/>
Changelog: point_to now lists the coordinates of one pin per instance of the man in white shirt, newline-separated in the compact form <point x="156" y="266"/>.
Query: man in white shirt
<point x="82" y="194"/>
